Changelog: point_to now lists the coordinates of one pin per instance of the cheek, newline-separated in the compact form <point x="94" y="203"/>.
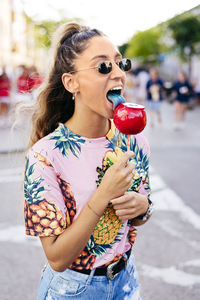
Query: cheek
<point x="91" y="86"/>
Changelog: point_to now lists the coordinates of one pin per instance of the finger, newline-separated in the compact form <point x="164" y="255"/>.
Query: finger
<point x="123" y="162"/>
<point x="126" y="213"/>
<point x="126" y="217"/>
<point x="122" y="199"/>
<point x="121" y="206"/>
<point x="118" y="200"/>
<point x="130" y="167"/>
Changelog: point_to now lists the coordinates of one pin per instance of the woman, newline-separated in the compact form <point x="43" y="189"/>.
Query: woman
<point x="183" y="91"/>
<point x="5" y="87"/>
<point x="83" y="195"/>
<point x="154" y="89"/>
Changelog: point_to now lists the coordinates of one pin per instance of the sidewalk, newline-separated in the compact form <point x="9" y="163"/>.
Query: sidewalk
<point x="15" y="138"/>
<point x="166" y="135"/>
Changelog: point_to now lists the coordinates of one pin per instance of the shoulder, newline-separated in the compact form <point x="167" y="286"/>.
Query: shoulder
<point x="45" y="146"/>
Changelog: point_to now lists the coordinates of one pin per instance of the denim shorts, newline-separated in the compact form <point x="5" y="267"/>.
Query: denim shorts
<point x="74" y="285"/>
<point x="154" y="105"/>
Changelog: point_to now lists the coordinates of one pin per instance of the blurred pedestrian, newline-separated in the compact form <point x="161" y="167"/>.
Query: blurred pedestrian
<point x="35" y="79"/>
<point x="183" y="92"/>
<point x="154" y="89"/>
<point x="196" y="89"/>
<point x="130" y="92"/>
<point x="83" y="195"/>
<point x="23" y="87"/>
<point x="5" y="87"/>
<point x="142" y="79"/>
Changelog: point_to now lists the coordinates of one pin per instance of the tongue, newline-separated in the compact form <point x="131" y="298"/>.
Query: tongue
<point x="116" y="99"/>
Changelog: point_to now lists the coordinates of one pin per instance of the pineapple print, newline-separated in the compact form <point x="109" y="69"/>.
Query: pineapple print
<point x="109" y="224"/>
<point x="68" y="198"/>
<point x="116" y="258"/>
<point x="42" y="160"/>
<point x="67" y="141"/>
<point x="107" y="228"/>
<point x="42" y="217"/>
<point x="65" y="189"/>
<point x="84" y="261"/>
<point x="141" y="170"/>
<point x="132" y="235"/>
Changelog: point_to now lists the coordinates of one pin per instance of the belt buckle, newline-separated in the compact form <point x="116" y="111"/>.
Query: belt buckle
<point x="110" y="274"/>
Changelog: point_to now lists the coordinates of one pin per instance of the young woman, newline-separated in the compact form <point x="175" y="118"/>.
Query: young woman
<point x="183" y="92"/>
<point x="84" y="192"/>
<point x="154" y="89"/>
<point x="5" y="87"/>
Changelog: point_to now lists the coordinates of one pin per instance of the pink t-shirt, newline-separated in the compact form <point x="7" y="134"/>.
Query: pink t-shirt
<point x="62" y="172"/>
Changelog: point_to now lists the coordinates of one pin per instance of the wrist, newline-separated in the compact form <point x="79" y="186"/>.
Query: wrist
<point x="148" y="212"/>
<point x="97" y="203"/>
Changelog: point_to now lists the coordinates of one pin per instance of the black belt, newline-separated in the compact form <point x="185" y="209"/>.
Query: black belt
<point x="112" y="270"/>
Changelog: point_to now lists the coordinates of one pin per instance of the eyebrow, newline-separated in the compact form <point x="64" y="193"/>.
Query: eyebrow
<point x="105" y="56"/>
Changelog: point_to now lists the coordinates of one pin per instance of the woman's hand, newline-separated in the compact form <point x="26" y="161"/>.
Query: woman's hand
<point x="118" y="178"/>
<point x="130" y="205"/>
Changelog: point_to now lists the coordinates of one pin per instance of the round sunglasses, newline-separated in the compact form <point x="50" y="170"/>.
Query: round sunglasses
<point x="105" y="67"/>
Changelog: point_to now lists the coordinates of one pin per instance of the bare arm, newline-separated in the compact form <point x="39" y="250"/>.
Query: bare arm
<point x="62" y="250"/>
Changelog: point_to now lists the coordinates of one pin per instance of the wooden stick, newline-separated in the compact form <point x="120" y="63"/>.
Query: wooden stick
<point x="128" y="143"/>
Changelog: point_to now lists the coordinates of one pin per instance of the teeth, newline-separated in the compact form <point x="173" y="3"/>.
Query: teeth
<point x="116" y="88"/>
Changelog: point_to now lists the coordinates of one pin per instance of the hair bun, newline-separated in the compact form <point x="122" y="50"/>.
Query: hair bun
<point x="68" y="30"/>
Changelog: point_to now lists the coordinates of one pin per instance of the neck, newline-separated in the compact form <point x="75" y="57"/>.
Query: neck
<point x="93" y="126"/>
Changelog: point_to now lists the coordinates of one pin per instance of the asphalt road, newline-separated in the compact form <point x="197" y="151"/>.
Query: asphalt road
<point x="167" y="248"/>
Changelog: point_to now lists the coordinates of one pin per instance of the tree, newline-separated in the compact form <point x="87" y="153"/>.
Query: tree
<point x="146" y="45"/>
<point x="186" y="32"/>
<point x="123" y="48"/>
<point x="43" y="30"/>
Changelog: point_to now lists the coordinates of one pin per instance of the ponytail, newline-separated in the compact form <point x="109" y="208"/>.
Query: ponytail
<point x="54" y="103"/>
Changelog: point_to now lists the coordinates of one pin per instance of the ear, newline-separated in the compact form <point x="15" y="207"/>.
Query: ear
<point x="70" y="83"/>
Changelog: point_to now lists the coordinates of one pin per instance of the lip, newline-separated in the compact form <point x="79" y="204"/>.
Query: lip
<point x="116" y="87"/>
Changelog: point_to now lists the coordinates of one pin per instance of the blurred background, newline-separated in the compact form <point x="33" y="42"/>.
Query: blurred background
<point x="159" y="35"/>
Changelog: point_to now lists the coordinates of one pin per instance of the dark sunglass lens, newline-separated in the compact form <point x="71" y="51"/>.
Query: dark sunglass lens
<point x="125" y="64"/>
<point x="105" y="67"/>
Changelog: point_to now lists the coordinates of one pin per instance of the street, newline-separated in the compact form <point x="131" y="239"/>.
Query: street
<point x="167" y="248"/>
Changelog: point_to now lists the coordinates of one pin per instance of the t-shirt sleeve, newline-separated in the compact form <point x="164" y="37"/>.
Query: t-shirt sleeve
<point x="45" y="211"/>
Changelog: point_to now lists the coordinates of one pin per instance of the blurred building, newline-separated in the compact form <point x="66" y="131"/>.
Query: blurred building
<point x="170" y="62"/>
<point x="17" y="36"/>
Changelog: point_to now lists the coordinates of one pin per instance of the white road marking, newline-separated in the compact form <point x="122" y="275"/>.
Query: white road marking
<point x="171" y="275"/>
<point x="166" y="226"/>
<point x="167" y="200"/>
<point x="156" y="183"/>
<point x="192" y="263"/>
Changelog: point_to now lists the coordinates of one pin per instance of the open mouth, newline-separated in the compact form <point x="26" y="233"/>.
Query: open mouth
<point x="114" y="96"/>
<point x="114" y="91"/>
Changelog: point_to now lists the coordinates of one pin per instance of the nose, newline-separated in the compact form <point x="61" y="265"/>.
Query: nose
<point x="117" y="72"/>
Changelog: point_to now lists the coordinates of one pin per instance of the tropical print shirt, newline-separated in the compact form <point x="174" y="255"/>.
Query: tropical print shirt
<point x="62" y="171"/>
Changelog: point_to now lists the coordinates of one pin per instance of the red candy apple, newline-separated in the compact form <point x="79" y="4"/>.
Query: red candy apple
<point x="130" y="118"/>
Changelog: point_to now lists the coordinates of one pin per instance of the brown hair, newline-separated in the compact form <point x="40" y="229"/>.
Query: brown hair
<point x="54" y="103"/>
